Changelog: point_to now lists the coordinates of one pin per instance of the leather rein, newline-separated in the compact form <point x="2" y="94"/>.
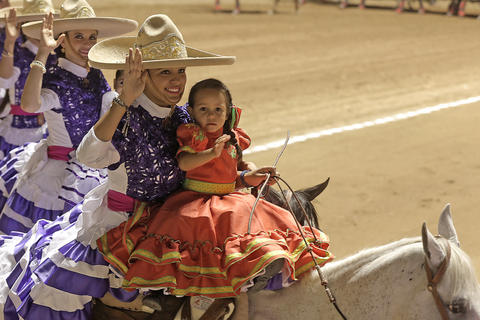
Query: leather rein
<point x="434" y="280"/>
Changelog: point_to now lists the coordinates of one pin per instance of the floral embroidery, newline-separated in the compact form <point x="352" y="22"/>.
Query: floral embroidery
<point x="170" y="48"/>
<point x="232" y="151"/>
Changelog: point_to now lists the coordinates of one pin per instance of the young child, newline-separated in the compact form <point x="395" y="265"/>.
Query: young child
<point x="118" y="81"/>
<point x="198" y="242"/>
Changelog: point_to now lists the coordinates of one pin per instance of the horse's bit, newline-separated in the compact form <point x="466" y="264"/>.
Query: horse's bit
<point x="434" y="280"/>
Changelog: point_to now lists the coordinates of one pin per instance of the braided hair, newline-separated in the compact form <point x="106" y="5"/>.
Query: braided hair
<point x="215" y="84"/>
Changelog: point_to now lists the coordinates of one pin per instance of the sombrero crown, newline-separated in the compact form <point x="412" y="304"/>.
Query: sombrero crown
<point x="161" y="44"/>
<point x="31" y="10"/>
<point x="79" y="15"/>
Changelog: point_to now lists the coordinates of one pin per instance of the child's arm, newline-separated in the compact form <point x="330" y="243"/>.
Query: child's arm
<point x="188" y="161"/>
<point x="256" y="177"/>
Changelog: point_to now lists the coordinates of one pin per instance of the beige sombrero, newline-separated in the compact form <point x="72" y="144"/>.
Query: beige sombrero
<point x="161" y="44"/>
<point x="79" y="15"/>
<point x="30" y="10"/>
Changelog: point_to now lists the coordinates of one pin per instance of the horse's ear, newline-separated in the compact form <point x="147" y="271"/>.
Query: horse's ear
<point x="312" y="192"/>
<point x="433" y="251"/>
<point x="445" y="226"/>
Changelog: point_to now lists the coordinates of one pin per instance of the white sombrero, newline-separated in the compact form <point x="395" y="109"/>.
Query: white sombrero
<point x="30" y="10"/>
<point x="161" y="44"/>
<point x="79" y="15"/>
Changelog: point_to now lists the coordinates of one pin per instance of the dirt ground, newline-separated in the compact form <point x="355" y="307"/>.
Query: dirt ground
<point x="326" y="67"/>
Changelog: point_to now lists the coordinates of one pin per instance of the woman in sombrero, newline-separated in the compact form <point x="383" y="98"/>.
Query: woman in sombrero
<point x="17" y="126"/>
<point x="44" y="180"/>
<point x="55" y="268"/>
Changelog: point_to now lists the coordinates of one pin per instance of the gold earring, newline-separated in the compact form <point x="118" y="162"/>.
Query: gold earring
<point x="62" y="50"/>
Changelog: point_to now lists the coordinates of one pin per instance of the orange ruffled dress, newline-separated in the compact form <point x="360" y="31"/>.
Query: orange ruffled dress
<point x="197" y="242"/>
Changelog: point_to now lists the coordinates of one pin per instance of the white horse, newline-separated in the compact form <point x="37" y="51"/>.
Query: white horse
<point x="387" y="282"/>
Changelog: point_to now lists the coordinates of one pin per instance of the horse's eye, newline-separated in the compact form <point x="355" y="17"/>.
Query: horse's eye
<point x="458" y="306"/>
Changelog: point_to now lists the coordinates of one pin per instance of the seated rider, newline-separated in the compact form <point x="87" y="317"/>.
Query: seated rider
<point x="200" y="242"/>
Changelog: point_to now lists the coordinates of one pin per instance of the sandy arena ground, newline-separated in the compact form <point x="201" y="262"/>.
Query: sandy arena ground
<point x="327" y="67"/>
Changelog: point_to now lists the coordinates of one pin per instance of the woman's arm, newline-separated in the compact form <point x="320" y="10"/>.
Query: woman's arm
<point x="188" y="161"/>
<point x="134" y="84"/>
<point x="31" y="100"/>
<point x="11" y="34"/>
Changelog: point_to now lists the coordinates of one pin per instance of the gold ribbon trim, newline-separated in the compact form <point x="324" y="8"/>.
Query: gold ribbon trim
<point x="208" y="187"/>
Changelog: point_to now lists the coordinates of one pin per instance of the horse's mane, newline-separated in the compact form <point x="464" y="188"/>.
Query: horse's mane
<point x="461" y="275"/>
<point x="275" y="196"/>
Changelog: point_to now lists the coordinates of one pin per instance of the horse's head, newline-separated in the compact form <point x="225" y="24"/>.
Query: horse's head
<point x="305" y="198"/>
<point x="452" y="282"/>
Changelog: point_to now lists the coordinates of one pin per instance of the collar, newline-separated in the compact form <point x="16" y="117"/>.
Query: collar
<point x="152" y="108"/>
<point x="68" y="65"/>
<point x="30" y="46"/>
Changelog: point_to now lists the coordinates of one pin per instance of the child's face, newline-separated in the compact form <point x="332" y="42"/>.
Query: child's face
<point x="210" y="109"/>
<point x="118" y="83"/>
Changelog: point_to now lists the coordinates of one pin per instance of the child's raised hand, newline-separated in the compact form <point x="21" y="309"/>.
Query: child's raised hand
<point x="220" y="144"/>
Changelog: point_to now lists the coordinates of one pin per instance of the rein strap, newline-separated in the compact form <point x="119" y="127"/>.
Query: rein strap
<point x="434" y="280"/>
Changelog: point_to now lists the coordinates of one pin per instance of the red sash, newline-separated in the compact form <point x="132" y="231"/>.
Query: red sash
<point x="17" y="111"/>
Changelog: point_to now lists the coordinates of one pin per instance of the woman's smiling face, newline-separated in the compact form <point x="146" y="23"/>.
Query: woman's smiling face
<point x="165" y="87"/>
<point x="77" y="44"/>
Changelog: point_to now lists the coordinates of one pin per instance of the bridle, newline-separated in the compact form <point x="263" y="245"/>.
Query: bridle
<point x="434" y="280"/>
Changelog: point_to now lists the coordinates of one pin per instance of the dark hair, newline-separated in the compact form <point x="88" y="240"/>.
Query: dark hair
<point x="119" y="73"/>
<point x="212" y="83"/>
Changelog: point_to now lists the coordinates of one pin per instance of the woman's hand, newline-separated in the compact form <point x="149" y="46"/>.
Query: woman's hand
<point x="220" y="145"/>
<point x="47" y="40"/>
<point x="135" y="77"/>
<point x="258" y="176"/>
<point x="12" y="31"/>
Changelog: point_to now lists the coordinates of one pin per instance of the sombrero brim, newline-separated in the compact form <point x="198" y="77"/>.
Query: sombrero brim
<point x="24" y="17"/>
<point x="111" y="53"/>
<point x="106" y="26"/>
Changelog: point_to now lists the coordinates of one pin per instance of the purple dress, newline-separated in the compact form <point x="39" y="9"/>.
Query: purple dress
<point x="17" y="128"/>
<point x="44" y="180"/>
<point x="141" y="166"/>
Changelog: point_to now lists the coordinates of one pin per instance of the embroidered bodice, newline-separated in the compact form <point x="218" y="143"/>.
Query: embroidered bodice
<point x="80" y="99"/>
<point x="148" y="153"/>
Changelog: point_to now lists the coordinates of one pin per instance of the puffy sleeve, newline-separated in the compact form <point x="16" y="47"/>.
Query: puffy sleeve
<point x="107" y="99"/>
<point x="243" y="138"/>
<point x="191" y="138"/>
<point x="49" y="100"/>
<point x="95" y="153"/>
<point x="10" y="82"/>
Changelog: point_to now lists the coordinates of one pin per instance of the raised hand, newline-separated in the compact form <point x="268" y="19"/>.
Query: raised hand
<point x="135" y="77"/>
<point x="47" y="40"/>
<point x="12" y="31"/>
<point x="220" y="144"/>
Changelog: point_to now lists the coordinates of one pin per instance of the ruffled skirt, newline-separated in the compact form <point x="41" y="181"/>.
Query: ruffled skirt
<point x="35" y="187"/>
<point x="53" y="271"/>
<point x="197" y="244"/>
<point x="12" y="137"/>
